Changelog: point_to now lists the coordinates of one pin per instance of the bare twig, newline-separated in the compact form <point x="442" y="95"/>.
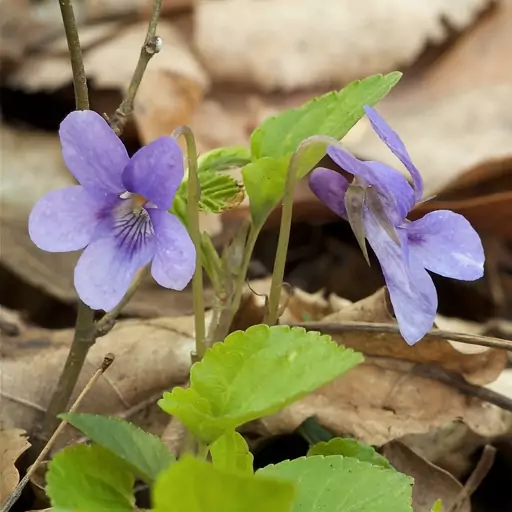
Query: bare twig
<point x="152" y="44"/>
<point x="479" y="473"/>
<point x="75" y="55"/>
<point x="346" y="327"/>
<point x="107" y="361"/>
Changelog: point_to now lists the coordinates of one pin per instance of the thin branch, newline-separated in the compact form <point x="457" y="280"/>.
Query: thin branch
<point x="477" y="476"/>
<point x="107" y="321"/>
<point x="75" y="55"/>
<point x="152" y="44"/>
<point x="346" y="327"/>
<point x="107" y="361"/>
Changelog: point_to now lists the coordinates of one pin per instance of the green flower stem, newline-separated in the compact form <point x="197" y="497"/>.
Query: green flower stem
<point x="194" y="194"/>
<point x="272" y="312"/>
<point x="227" y="308"/>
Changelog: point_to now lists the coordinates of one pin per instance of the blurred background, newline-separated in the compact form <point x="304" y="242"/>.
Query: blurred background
<point x="225" y="66"/>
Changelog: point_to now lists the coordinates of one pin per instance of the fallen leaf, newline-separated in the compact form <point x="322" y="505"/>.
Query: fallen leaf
<point x="99" y="9"/>
<point x="381" y="400"/>
<point x="12" y="444"/>
<point x="302" y="46"/>
<point x="32" y="166"/>
<point x="151" y="356"/>
<point x="171" y="89"/>
<point x="430" y="482"/>
<point x="479" y="366"/>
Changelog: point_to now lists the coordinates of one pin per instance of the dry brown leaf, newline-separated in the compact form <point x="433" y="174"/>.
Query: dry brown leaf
<point x="377" y="404"/>
<point x="170" y="91"/>
<point x="477" y="366"/>
<point x="151" y="356"/>
<point x="32" y="166"/>
<point x="430" y="481"/>
<point x="12" y="444"/>
<point x="294" y="44"/>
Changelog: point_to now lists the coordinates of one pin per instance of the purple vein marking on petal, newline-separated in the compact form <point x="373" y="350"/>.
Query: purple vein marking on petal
<point x="397" y="147"/>
<point x="93" y="152"/>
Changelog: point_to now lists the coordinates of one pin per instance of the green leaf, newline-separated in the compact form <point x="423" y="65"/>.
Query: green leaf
<point x="192" y="485"/>
<point x="264" y="181"/>
<point x="349" y="448"/>
<point x="242" y="379"/>
<point x="332" y="114"/>
<point x="339" y="484"/>
<point x="145" y="453"/>
<point x="437" y="506"/>
<point x="84" y="478"/>
<point x="231" y="453"/>
<point x="219" y="192"/>
<point x="223" y="158"/>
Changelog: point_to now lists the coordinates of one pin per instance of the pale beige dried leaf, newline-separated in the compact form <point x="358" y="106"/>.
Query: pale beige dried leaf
<point x="151" y="356"/>
<point x="111" y="64"/>
<point x="32" y="166"/>
<point x="293" y="44"/>
<point x="430" y="481"/>
<point x="377" y="404"/>
<point x="477" y="367"/>
<point x="447" y="137"/>
<point x="98" y="9"/>
<point x="12" y="444"/>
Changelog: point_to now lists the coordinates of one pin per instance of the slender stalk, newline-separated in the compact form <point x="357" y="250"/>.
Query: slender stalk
<point x="107" y="361"/>
<point x="347" y="327"/>
<point x="75" y="55"/>
<point x="272" y="312"/>
<point x="194" y="194"/>
<point x="152" y="44"/>
<point x="220" y="330"/>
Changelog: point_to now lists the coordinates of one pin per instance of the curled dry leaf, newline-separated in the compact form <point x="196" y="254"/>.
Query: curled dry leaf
<point x="304" y="43"/>
<point x="151" y="356"/>
<point x="476" y="366"/>
<point x="32" y="166"/>
<point x="13" y="443"/>
<point x="430" y="481"/>
<point x="387" y="397"/>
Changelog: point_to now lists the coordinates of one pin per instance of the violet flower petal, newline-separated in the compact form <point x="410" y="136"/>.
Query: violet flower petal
<point x="398" y="188"/>
<point x="93" y="153"/>
<point x="175" y="258"/>
<point x="397" y="147"/>
<point x="446" y="243"/>
<point x="411" y="289"/>
<point x="330" y="187"/>
<point x="109" y="264"/>
<point x="64" y="219"/>
<point x="156" y="171"/>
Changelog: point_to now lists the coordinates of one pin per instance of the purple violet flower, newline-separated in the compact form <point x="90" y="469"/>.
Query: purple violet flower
<point x="118" y="212"/>
<point x="442" y="242"/>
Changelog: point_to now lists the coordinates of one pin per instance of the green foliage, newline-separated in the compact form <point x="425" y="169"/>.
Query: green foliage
<point x="253" y="374"/>
<point x="192" y="485"/>
<point x="220" y="159"/>
<point x="437" y="506"/>
<point x="85" y="478"/>
<point x="277" y="138"/>
<point x="264" y="181"/>
<point x="342" y="484"/>
<point x="231" y="453"/>
<point x="145" y="453"/>
<point x="349" y="448"/>
<point x="332" y="114"/>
